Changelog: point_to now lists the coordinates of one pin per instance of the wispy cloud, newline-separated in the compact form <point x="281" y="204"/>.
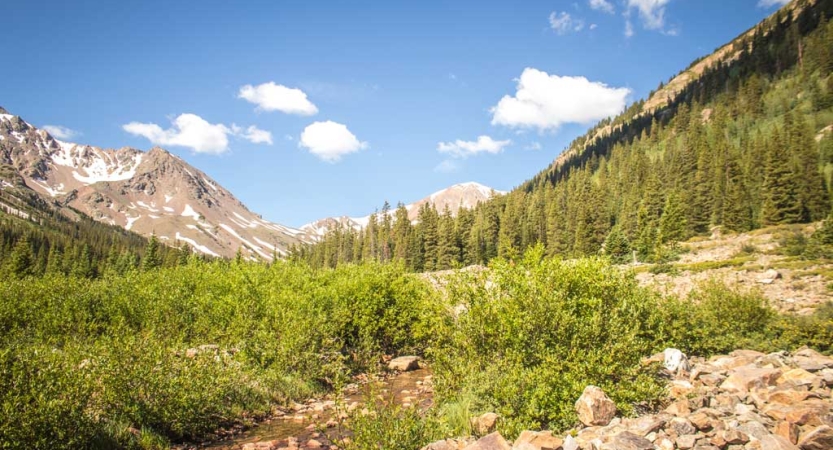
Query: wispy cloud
<point x="276" y="97"/>
<point x="771" y="3"/>
<point x="464" y="149"/>
<point x="447" y="166"/>
<point x="61" y="132"/>
<point x="563" y="23"/>
<point x="602" y="5"/>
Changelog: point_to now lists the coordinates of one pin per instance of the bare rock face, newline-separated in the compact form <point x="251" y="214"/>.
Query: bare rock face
<point x="594" y="407"/>
<point x="404" y="363"/>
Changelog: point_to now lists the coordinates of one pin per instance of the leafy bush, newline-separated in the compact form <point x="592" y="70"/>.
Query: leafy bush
<point x="140" y="360"/>
<point x="537" y="333"/>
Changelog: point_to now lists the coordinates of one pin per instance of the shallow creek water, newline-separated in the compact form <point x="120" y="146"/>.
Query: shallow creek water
<point x="302" y="425"/>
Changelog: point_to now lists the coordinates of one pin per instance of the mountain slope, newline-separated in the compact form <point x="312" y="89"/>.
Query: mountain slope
<point x="462" y="195"/>
<point x="149" y="193"/>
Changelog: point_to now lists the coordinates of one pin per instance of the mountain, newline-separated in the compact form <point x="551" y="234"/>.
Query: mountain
<point x="148" y="193"/>
<point x="462" y="195"/>
<point x="737" y="141"/>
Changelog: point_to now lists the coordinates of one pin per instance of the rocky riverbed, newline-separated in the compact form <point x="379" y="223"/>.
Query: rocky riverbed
<point x="316" y="423"/>
<point x="742" y="401"/>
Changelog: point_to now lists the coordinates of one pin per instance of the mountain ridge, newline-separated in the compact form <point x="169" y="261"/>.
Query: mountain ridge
<point x="461" y="195"/>
<point x="151" y="193"/>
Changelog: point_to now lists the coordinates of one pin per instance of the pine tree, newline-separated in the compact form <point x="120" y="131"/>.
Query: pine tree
<point x="152" y="259"/>
<point x="617" y="246"/>
<point x="21" y="260"/>
<point x="781" y="204"/>
<point x="672" y="225"/>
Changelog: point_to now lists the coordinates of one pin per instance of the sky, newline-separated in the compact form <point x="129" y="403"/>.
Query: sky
<point x="311" y="109"/>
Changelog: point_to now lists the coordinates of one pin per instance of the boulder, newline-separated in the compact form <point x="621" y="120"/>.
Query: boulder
<point x="404" y="363"/>
<point x="820" y="438"/>
<point x="788" y="431"/>
<point x="773" y="442"/>
<point x="594" y="407"/>
<point x="492" y="441"/>
<point x="627" y="441"/>
<point x="538" y="440"/>
<point x="769" y="276"/>
<point x="798" y="377"/>
<point x="485" y="423"/>
<point x="746" y="379"/>
<point x="675" y="361"/>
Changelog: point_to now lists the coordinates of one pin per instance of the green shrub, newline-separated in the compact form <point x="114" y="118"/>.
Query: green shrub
<point x="537" y="333"/>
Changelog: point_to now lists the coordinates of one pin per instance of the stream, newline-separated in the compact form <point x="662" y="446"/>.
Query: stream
<point x="301" y="427"/>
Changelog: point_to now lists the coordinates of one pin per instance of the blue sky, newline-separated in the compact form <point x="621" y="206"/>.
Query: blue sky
<point x="311" y="109"/>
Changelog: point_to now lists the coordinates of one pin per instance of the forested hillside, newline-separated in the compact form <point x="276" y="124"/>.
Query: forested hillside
<point x="37" y="237"/>
<point x="744" y="144"/>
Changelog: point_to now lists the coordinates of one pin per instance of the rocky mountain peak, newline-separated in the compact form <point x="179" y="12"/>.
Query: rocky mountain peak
<point x="153" y="192"/>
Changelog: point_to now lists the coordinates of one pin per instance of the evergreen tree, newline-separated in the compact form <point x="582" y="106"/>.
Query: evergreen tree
<point x="152" y="260"/>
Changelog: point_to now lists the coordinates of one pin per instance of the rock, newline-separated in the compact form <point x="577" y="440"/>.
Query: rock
<point x="769" y="276"/>
<point x="627" y="441"/>
<point x="808" y="412"/>
<point x="680" y="408"/>
<point x="773" y="442"/>
<point x="570" y="443"/>
<point x="645" y="425"/>
<point x="746" y="379"/>
<point x="485" y="423"/>
<point x="798" y="377"/>
<point x="594" y="407"/>
<point x="819" y="439"/>
<point x="788" y="431"/>
<point x="681" y="426"/>
<point x="492" y="441"/>
<point x="675" y="361"/>
<point x="447" y="444"/>
<point x="686" y="442"/>
<point x="404" y="363"/>
<point x="735" y="437"/>
<point x="754" y="430"/>
<point x="701" y="421"/>
<point x="541" y="440"/>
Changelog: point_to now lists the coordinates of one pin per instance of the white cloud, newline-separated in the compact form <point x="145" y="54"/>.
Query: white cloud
<point x="771" y="3"/>
<point x="61" y="132"/>
<point x="253" y="134"/>
<point x="546" y="101"/>
<point x="652" y="12"/>
<point x="563" y="23"/>
<point x="602" y="5"/>
<point x="447" y="166"/>
<point x="464" y="149"/>
<point x="194" y="132"/>
<point x="330" y="141"/>
<point x="275" y="97"/>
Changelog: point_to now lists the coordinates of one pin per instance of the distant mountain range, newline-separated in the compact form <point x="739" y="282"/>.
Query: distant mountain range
<point x="157" y="193"/>
<point x="463" y="195"/>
